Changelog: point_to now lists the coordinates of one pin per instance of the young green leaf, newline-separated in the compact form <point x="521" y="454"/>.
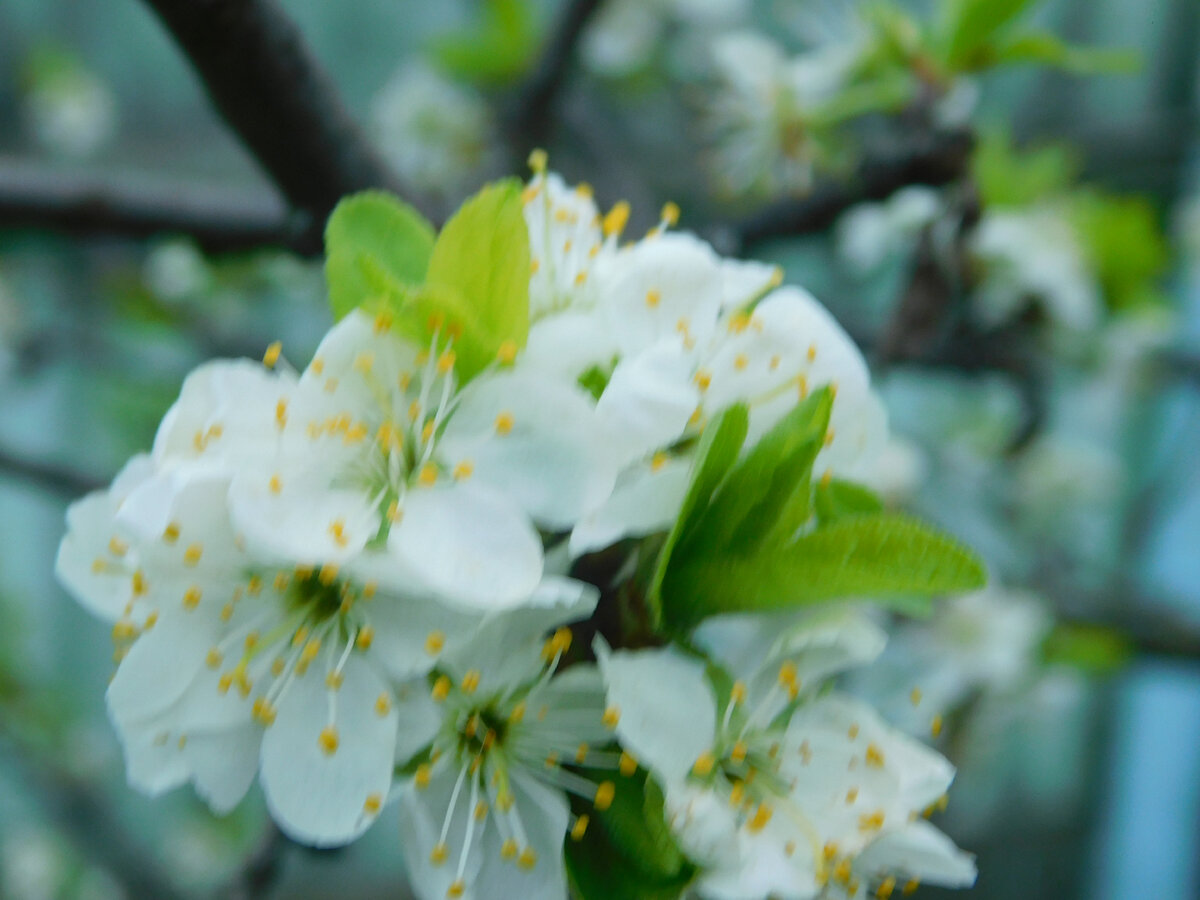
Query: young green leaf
<point x="838" y="499"/>
<point x="876" y="555"/>
<point x="1042" y="47"/>
<point x="761" y="486"/>
<point x="970" y="25"/>
<point x="1092" y="648"/>
<point x="719" y="447"/>
<point x="628" y="852"/>
<point x="495" y="52"/>
<point x="373" y="232"/>
<point x="481" y="262"/>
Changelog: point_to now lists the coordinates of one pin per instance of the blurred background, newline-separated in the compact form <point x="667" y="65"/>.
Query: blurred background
<point x="1006" y="219"/>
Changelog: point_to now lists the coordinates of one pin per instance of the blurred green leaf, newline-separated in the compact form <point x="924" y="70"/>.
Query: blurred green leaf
<point x="1092" y="648"/>
<point x="877" y="556"/>
<point x="1043" y="47"/>
<point x="627" y="852"/>
<point x="1008" y="177"/>
<point x="368" y="236"/>
<point x="497" y="51"/>
<point x="839" y="499"/>
<point x="969" y="25"/>
<point x="1124" y="243"/>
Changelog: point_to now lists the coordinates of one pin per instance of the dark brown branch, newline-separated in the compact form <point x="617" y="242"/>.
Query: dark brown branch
<point x="81" y="812"/>
<point x="75" y="203"/>
<point x="50" y="476"/>
<point x="934" y="160"/>
<point x="529" y="116"/>
<point x="260" y="869"/>
<point x="265" y="81"/>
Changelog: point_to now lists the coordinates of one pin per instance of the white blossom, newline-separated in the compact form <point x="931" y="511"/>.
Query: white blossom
<point x="773" y="786"/>
<point x="484" y="811"/>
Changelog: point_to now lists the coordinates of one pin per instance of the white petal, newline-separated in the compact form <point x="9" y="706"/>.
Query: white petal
<point x="647" y="499"/>
<point x="154" y="763"/>
<point x="223" y="764"/>
<point x="659" y="288"/>
<point x="919" y="851"/>
<point x="355" y="364"/>
<point x="666" y="706"/>
<point x="86" y="565"/>
<point x="544" y="814"/>
<point x="744" y="280"/>
<point x="533" y="439"/>
<point x="649" y="400"/>
<point x="404" y="626"/>
<point x="566" y="344"/>
<point x="471" y="545"/>
<point x="422" y="814"/>
<point x="420" y="718"/>
<point x="318" y="797"/>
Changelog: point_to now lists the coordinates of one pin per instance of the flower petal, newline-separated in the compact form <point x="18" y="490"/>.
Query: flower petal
<point x="647" y="499"/>
<point x="223" y="764"/>
<point x="327" y="759"/>
<point x="919" y="851"/>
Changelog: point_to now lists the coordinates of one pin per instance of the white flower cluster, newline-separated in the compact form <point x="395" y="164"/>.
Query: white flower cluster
<point x="337" y="580"/>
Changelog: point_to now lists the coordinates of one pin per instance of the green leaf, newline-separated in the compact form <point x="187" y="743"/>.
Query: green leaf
<point x="1092" y="648"/>
<point x="880" y="555"/>
<point x="628" y="852"/>
<point x="478" y="276"/>
<point x="1124" y="243"/>
<point x="498" y="51"/>
<point x="772" y="478"/>
<point x="838" y="499"/>
<point x="969" y="25"/>
<point x="888" y="92"/>
<point x="1008" y="177"/>
<point x="373" y="232"/>
<point x="1043" y="47"/>
<point x="717" y="451"/>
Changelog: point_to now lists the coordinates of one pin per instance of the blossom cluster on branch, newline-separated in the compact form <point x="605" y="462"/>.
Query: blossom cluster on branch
<point x="355" y="582"/>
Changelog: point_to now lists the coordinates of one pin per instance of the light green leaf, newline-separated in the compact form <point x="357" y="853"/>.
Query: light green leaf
<point x="971" y="24"/>
<point x="772" y="478"/>
<point x="1092" y="648"/>
<point x="879" y="556"/>
<point x="1125" y="244"/>
<point x="888" y="92"/>
<point x="1043" y="47"/>
<point x="719" y="447"/>
<point x="628" y="852"/>
<point x="498" y="51"/>
<point x="478" y="276"/>
<point x="373" y="232"/>
<point x="1009" y="177"/>
<point x="838" y="499"/>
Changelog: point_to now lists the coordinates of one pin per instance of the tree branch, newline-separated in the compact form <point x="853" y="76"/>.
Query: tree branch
<point x="264" y="80"/>
<point x="935" y="160"/>
<point x="52" y="477"/>
<point x="74" y="203"/>
<point x="529" y="117"/>
<point x="260" y="869"/>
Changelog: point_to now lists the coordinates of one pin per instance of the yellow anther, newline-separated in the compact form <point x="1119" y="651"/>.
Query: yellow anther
<point x="383" y="705"/>
<point x="124" y="631"/>
<point x="224" y="683"/>
<point x="841" y="872"/>
<point x="505" y="800"/>
<point x="852" y="731"/>
<point x="874" y="756"/>
<point x="827" y="478"/>
<point x="528" y="858"/>
<point x="281" y="581"/>
<point x="910" y="886"/>
<point x="627" y="765"/>
<point x="605" y="792"/>
<point x="117" y="547"/>
<point x="300" y="636"/>
<point x="428" y="475"/>
<point x="812" y="352"/>
<point x="328" y="740"/>
<point x="439" y="853"/>
<point x="579" y="829"/>
<point x="851" y="796"/>
<point x="738" y="693"/>
<point x="281" y="413"/>
<point x="659" y="460"/>
<point x="552" y="760"/>
<point x="616" y="219"/>
<point x="789" y="848"/>
<point x="328" y="574"/>
<point x="366" y="635"/>
<point x="884" y="891"/>
<point x="611" y="717"/>
<point x="355" y="435"/>
<point x="481" y="811"/>
<point x="504" y="422"/>
<point x="508" y="850"/>
<point x="871" y="821"/>
<point x="670" y="213"/>
<point x="534" y="266"/>
<point x="275" y="484"/>
<point x="538" y="159"/>
<point x="424" y="774"/>
<point x="434" y="642"/>
<point x="337" y="528"/>
<point x="557" y="644"/>
<point x="802" y="386"/>
<point x="277" y="667"/>
<point x="414" y="410"/>
<point x="470" y="681"/>
<point x="441" y="688"/>
<point x="915" y="696"/>
<point x="364" y="361"/>
<point x="738" y="753"/>
<point x="151" y="620"/>
<point x="581" y="753"/>
<point x="191" y="597"/>
<point x="373" y="804"/>
<point x="758" y="821"/>
<point x="774" y="363"/>
<point x="310" y="651"/>
<point x="580" y="278"/>
<point x="935" y="727"/>
<point x="334" y="680"/>
<point x="271" y="356"/>
<point x="394" y="512"/>
<point x="464" y="470"/>
<point x="567" y="245"/>
<point x="368" y="590"/>
<point x="737" y="793"/>
<point x="506" y="354"/>
<point x="653" y="298"/>
<point x="562" y="214"/>
<point x="696" y="417"/>
<point x="829" y="851"/>
<point x="703" y="379"/>
<point x="738" y="323"/>
<point x="787" y="673"/>
<point x="445" y="362"/>
<point x="171" y="532"/>
<point x="191" y="556"/>
<point x="704" y="764"/>
<point x="518" y="713"/>
<point x="251" y="641"/>
<point x="741" y="361"/>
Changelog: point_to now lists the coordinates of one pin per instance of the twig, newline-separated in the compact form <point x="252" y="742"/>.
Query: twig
<point x="36" y="472"/>
<point x="265" y="81"/>
<point x="529" y="118"/>
<point x="81" y="813"/>
<point x="259" y="871"/>
<point x="75" y="203"/>
<point x="934" y="160"/>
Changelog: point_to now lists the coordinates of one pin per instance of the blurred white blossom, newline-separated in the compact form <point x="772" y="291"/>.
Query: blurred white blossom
<point x="69" y="111"/>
